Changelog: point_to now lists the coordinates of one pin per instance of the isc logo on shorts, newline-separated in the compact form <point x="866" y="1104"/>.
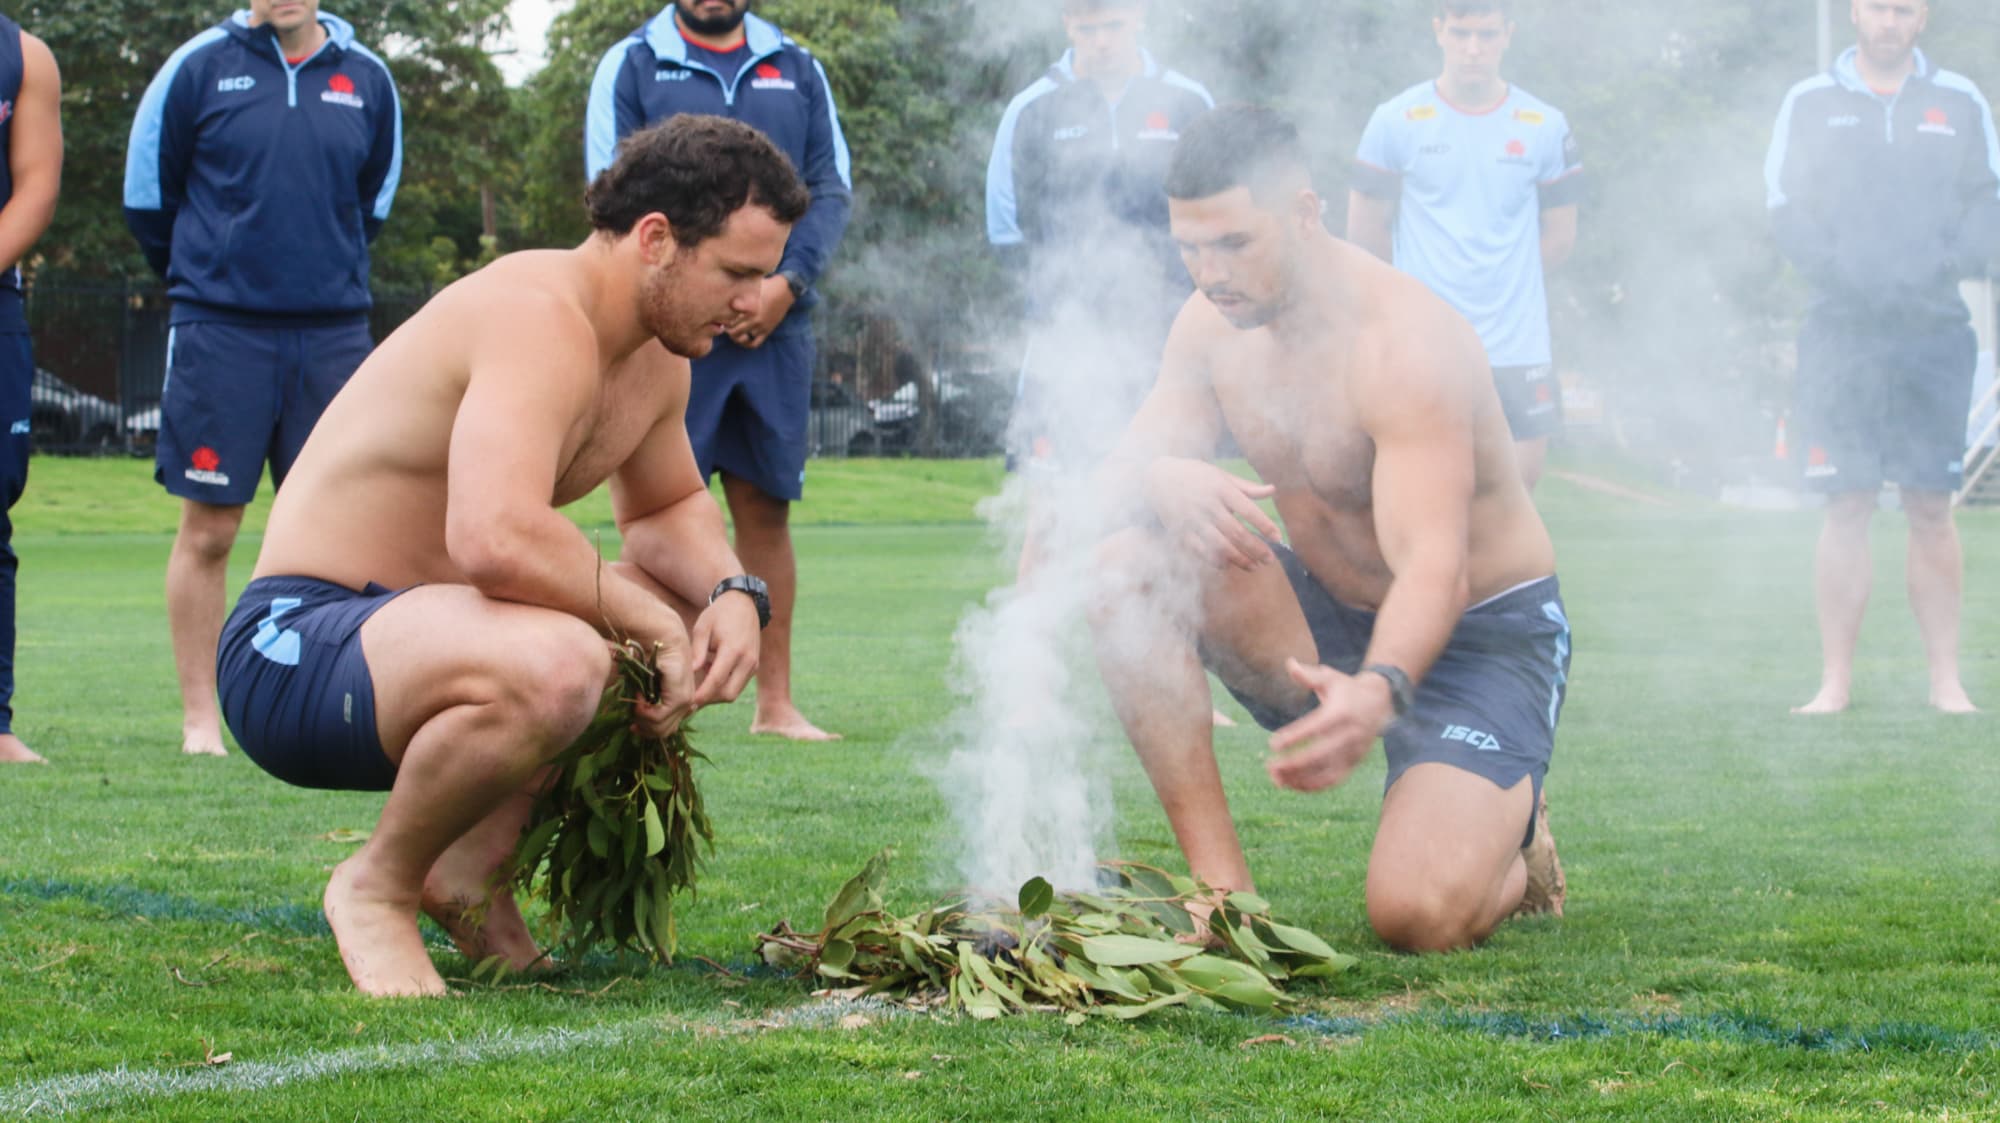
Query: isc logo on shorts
<point x="1484" y="742"/>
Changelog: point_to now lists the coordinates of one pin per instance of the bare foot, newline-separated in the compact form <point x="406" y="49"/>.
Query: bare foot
<point x="1951" y="698"/>
<point x="789" y="723"/>
<point x="1221" y="720"/>
<point x="1547" y="887"/>
<point x="377" y="933"/>
<point x="202" y="742"/>
<point x="482" y="929"/>
<point x="12" y="751"/>
<point x="1827" y="701"/>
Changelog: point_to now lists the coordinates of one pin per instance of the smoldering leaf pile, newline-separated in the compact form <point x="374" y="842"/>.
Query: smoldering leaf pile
<point x="1121" y="950"/>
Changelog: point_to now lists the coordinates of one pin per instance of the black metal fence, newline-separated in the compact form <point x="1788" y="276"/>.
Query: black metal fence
<point x="880" y="389"/>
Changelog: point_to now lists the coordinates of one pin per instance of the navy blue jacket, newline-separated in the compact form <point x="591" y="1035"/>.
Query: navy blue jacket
<point x="254" y="186"/>
<point x="1885" y="202"/>
<point x="1077" y="182"/>
<point x="781" y="91"/>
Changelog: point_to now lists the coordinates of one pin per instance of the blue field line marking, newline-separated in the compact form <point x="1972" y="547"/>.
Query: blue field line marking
<point x="305" y="920"/>
<point x="1731" y="1029"/>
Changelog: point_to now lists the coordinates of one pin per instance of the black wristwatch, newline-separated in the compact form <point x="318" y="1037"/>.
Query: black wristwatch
<point x="754" y="587"/>
<point x="793" y="283"/>
<point x="1401" y="693"/>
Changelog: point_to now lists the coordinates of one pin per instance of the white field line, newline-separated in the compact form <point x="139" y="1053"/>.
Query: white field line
<point x="113" y="1087"/>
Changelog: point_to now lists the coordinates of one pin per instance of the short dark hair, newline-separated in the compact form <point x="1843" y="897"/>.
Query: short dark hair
<point x="1236" y="146"/>
<point x="1447" y="9"/>
<point x="696" y="170"/>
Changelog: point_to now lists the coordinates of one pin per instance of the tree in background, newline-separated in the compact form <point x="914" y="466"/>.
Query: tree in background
<point x="455" y="115"/>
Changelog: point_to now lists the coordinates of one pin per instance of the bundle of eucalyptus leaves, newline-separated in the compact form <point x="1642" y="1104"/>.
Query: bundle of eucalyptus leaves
<point x="1123" y="950"/>
<point x="617" y="833"/>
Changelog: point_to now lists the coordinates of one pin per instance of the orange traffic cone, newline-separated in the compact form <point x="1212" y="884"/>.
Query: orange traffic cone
<point x="1781" y="452"/>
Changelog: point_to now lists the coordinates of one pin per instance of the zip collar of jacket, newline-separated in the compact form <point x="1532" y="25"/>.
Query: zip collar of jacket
<point x="1064" y="71"/>
<point x="664" y="36"/>
<point x="339" y="33"/>
<point x="1848" y="73"/>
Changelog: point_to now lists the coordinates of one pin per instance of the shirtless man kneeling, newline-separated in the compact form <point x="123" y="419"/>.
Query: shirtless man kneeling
<point x="424" y="621"/>
<point x="1366" y="405"/>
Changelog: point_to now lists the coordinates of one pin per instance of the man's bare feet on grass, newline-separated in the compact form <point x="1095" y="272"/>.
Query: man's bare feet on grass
<point x="377" y="933"/>
<point x="1546" y="885"/>
<point x="1950" y="698"/>
<point x="1827" y="701"/>
<point x="12" y="751"/>
<point x="789" y="723"/>
<point x="202" y="742"/>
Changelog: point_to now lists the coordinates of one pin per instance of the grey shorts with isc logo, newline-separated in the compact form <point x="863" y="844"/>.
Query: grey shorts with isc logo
<point x="1490" y="703"/>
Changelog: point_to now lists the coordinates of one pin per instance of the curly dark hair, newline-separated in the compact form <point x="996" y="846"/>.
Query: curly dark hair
<point x="696" y="170"/>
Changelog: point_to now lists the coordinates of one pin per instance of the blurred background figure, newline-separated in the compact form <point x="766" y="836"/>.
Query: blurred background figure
<point x="1471" y="184"/>
<point x="1077" y="213"/>
<point x="262" y="163"/>
<point x="1884" y="189"/>
<point x="752" y="396"/>
<point x="30" y="179"/>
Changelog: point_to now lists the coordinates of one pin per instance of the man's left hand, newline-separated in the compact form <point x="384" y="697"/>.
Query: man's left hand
<point x="751" y="331"/>
<point x="1322" y="748"/>
<point x="726" y="639"/>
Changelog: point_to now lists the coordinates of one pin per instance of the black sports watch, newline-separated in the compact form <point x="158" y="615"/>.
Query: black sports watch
<point x="1401" y="693"/>
<point x="754" y="587"/>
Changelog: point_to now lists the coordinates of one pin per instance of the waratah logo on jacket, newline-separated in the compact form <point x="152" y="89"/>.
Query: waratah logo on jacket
<point x="340" y="91"/>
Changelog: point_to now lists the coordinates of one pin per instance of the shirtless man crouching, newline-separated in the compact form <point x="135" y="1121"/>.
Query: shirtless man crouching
<point x="1366" y="405"/>
<point x="424" y="621"/>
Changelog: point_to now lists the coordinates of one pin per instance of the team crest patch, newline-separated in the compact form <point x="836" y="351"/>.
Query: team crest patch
<point x="1421" y="113"/>
<point x="1937" y="123"/>
<point x="768" y="77"/>
<point x="1159" y="127"/>
<point x="205" y="467"/>
<point x="340" y="91"/>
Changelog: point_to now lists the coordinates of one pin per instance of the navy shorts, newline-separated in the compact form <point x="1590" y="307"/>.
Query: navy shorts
<point x="747" y="410"/>
<point x="1532" y="398"/>
<point x="1884" y="407"/>
<point x="1489" y="704"/>
<point x="295" y="685"/>
<point x="237" y="396"/>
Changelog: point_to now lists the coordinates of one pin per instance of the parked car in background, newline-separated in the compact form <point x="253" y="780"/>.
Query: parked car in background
<point x="972" y="417"/>
<point x="63" y="417"/>
<point x="835" y="418"/>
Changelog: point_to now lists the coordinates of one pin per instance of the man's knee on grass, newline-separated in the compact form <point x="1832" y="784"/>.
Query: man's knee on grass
<point x="1417" y="916"/>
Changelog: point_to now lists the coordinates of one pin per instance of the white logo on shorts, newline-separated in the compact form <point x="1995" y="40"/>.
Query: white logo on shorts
<point x="1484" y="742"/>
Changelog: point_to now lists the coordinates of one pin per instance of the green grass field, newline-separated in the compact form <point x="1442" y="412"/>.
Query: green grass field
<point x="1770" y="917"/>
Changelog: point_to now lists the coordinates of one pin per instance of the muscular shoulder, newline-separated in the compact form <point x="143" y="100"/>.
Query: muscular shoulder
<point x="1416" y="354"/>
<point x="37" y="59"/>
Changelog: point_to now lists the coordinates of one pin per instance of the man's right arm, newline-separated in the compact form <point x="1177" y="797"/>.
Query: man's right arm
<point x="1003" y="194"/>
<point x="613" y="112"/>
<point x="1377" y="187"/>
<point x="34" y="153"/>
<point x="1807" y="242"/>
<point x="531" y="382"/>
<point x="1371" y="224"/>
<point x="159" y="153"/>
<point x="1162" y="472"/>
